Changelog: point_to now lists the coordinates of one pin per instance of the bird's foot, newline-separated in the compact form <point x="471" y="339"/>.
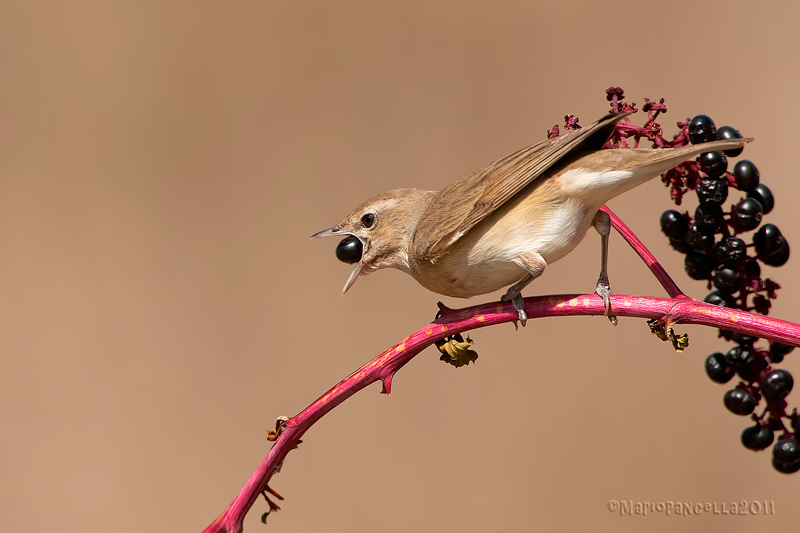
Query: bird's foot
<point x="515" y="297"/>
<point x="603" y="290"/>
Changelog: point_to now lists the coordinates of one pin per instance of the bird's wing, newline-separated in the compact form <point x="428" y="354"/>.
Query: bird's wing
<point x="472" y="198"/>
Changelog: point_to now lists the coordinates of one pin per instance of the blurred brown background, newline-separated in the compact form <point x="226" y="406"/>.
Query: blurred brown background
<point x="162" y="165"/>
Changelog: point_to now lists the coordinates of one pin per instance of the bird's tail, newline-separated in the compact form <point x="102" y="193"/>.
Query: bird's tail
<point x="615" y="171"/>
<point x="657" y="161"/>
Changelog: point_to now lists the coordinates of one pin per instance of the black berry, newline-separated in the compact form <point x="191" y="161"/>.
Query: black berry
<point x="727" y="132"/>
<point x="679" y="245"/>
<point x="780" y="348"/>
<point x="730" y="252"/>
<point x="349" y="250"/>
<point x="741" y="359"/>
<point x="739" y="402"/>
<point x="727" y="280"/>
<point x="673" y="224"/>
<point x="748" y="213"/>
<point x="757" y="437"/>
<point x="714" y="164"/>
<point x="711" y="191"/>
<point x="717" y="368"/>
<point x="779" y="257"/>
<point x="776" y="384"/>
<point x="786" y="456"/>
<point x="743" y="338"/>
<point x="702" y="129"/>
<point x="719" y="299"/>
<point x="698" y="265"/>
<point x="708" y="217"/>
<point x="746" y="175"/>
<point x="699" y="239"/>
<point x="767" y="239"/>
<point x="764" y="197"/>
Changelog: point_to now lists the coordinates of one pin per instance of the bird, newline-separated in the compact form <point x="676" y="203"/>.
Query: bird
<point x="501" y="226"/>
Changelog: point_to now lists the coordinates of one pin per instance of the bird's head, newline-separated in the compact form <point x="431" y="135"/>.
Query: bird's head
<point x="378" y="232"/>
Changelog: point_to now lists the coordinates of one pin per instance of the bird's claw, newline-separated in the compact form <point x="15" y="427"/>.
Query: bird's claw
<point x="515" y="297"/>
<point x="604" y="291"/>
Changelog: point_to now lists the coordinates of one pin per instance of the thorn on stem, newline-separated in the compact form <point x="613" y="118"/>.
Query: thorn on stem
<point x="443" y="310"/>
<point x="386" y="381"/>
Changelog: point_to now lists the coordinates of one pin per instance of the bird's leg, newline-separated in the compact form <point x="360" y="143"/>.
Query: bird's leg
<point x="534" y="264"/>
<point x="602" y="223"/>
<point x="514" y="295"/>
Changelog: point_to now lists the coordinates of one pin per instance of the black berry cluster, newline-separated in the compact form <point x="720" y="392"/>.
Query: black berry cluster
<point x="759" y="380"/>
<point x="713" y="240"/>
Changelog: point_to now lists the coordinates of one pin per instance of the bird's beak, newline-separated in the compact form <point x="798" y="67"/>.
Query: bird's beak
<point x="353" y="276"/>
<point x="336" y="230"/>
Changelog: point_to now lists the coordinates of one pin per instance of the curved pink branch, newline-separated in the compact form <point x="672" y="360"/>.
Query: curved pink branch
<point x="652" y="263"/>
<point x="682" y="310"/>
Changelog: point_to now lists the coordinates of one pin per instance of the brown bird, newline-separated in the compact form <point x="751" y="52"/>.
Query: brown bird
<point x="502" y="225"/>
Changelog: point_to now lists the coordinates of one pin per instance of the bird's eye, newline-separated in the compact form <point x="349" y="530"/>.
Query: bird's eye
<point x="368" y="220"/>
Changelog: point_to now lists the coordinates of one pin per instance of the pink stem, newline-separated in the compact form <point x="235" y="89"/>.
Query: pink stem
<point x="382" y="368"/>
<point x="652" y="263"/>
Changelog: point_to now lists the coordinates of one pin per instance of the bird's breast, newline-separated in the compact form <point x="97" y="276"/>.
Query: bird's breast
<point x="486" y="259"/>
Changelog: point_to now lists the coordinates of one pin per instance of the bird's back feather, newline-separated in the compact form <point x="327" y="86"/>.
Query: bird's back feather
<point x="472" y="198"/>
